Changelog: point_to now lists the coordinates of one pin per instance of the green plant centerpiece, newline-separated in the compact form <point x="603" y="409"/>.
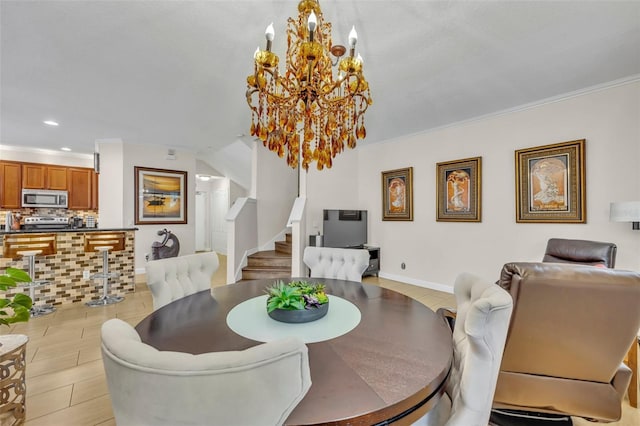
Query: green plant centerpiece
<point x="16" y="308"/>
<point x="297" y="301"/>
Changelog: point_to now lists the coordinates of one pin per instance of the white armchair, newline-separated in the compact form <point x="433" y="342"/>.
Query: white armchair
<point x="342" y="264"/>
<point x="175" y="277"/>
<point x="479" y="335"/>
<point x="258" y="386"/>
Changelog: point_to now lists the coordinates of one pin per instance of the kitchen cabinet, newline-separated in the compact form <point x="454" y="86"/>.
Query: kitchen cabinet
<point x="94" y="190"/>
<point x="80" y="188"/>
<point x="10" y="188"/>
<point x="56" y="178"/>
<point x="43" y="176"/>
<point x="33" y="176"/>
<point x="80" y="182"/>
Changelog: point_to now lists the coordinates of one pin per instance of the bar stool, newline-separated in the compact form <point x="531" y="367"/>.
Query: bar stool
<point x="103" y="243"/>
<point x="29" y="246"/>
<point x="36" y="310"/>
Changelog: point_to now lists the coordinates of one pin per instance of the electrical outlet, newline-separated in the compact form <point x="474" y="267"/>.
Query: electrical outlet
<point x="86" y="274"/>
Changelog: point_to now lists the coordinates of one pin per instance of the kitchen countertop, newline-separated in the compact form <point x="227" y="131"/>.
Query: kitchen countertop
<point x="58" y="230"/>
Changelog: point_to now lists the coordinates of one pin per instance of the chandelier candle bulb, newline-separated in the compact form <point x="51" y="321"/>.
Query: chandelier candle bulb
<point x="269" y="34"/>
<point x="353" y="39"/>
<point x="312" y="22"/>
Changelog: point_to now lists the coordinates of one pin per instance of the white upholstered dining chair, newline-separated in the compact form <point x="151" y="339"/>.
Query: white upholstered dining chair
<point x="176" y="277"/>
<point x="338" y="263"/>
<point x="258" y="386"/>
<point x="479" y="334"/>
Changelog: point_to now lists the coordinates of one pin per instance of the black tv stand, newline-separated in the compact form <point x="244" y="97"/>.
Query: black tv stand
<point x="374" y="259"/>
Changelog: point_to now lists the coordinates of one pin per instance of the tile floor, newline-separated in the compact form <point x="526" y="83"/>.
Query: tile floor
<point x="65" y="378"/>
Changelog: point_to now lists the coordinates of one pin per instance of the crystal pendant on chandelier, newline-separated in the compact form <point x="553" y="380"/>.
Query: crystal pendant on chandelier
<point x="310" y="111"/>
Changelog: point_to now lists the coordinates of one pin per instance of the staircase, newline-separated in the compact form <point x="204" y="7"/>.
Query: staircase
<point x="271" y="263"/>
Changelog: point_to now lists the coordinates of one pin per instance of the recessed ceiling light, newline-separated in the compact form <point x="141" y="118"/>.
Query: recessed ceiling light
<point x="50" y="123"/>
<point x="65" y="148"/>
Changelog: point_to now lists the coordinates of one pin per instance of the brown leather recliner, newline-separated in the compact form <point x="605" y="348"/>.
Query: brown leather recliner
<point x="570" y="330"/>
<point x="561" y="250"/>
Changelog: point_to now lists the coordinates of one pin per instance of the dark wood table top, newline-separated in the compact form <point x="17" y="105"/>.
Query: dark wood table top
<point x="394" y="362"/>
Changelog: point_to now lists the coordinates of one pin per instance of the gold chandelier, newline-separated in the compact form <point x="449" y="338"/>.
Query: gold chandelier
<point x="308" y="111"/>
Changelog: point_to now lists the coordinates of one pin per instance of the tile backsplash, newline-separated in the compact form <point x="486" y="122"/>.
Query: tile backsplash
<point x="25" y="212"/>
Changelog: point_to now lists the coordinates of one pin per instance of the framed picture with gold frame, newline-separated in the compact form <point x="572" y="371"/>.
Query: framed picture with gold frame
<point x="550" y="183"/>
<point x="397" y="194"/>
<point x="459" y="190"/>
<point x="160" y="196"/>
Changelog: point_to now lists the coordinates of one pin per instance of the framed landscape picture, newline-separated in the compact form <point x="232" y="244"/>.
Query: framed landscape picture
<point x="550" y="183"/>
<point x="397" y="194"/>
<point x="459" y="190"/>
<point x="160" y="196"/>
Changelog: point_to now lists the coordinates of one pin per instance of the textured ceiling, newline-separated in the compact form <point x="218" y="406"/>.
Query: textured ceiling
<point x="173" y="72"/>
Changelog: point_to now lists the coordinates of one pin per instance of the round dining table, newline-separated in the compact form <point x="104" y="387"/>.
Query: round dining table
<point x="389" y="369"/>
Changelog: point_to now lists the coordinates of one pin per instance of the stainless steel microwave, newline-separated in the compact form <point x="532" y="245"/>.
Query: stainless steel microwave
<point x="45" y="198"/>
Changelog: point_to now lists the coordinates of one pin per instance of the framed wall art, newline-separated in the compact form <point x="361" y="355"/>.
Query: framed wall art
<point x="550" y="183"/>
<point x="397" y="194"/>
<point x="160" y="196"/>
<point x="459" y="190"/>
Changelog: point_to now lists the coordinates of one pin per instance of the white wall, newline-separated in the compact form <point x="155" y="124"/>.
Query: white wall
<point x="236" y="191"/>
<point x="335" y="188"/>
<point x="242" y="233"/>
<point x="111" y="185"/>
<point x="155" y="157"/>
<point x="436" y="252"/>
<point x="276" y="188"/>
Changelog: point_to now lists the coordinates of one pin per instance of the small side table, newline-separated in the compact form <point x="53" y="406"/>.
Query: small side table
<point x="13" y="388"/>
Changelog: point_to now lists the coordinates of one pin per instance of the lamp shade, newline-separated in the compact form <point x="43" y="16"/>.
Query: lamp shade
<point x="625" y="211"/>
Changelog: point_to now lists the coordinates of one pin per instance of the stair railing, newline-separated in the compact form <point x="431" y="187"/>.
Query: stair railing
<point x="242" y="236"/>
<point x="298" y="230"/>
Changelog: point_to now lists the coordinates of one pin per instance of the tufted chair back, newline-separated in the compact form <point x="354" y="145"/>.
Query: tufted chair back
<point x="338" y="263"/>
<point x="482" y="321"/>
<point x="175" y="277"/>
<point x="257" y="386"/>
<point x="560" y="250"/>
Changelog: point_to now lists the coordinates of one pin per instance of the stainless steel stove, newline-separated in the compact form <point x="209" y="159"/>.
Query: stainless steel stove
<point x="45" y="222"/>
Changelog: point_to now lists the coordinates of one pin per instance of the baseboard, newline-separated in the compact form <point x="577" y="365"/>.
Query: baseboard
<point x="420" y="283"/>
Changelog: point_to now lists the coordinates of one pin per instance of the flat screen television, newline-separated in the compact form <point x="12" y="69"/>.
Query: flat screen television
<point x="344" y="228"/>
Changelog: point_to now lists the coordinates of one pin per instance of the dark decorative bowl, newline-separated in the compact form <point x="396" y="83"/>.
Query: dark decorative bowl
<point x="299" y="315"/>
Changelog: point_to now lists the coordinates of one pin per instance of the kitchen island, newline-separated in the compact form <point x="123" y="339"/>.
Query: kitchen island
<point x="68" y="262"/>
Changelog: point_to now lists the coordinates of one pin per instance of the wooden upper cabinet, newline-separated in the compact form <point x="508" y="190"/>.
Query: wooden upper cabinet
<point x="80" y="188"/>
<point x="34" y="176"/>
<point x="81" y="182"/>
<point x="10" y="185"/>
<point x="44" y="176"/>
<point x="57" y="178"/>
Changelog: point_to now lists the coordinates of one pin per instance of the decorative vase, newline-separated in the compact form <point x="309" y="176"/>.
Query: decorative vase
<point x="299" y="315"/>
